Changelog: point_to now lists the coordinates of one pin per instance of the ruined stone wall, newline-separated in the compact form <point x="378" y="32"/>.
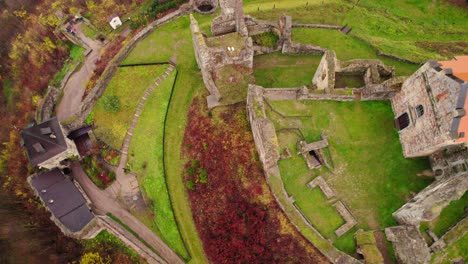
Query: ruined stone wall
<point x="428" y="203"/>
<point x="410" y="246"/>
<point x="324" y="77"/>
<point x="230" y="20"/>
<point x="438" y="95"/>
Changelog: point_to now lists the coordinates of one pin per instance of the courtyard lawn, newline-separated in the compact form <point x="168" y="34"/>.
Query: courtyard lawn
<point x="146" y="160"/>
<point x="370" y="174"/>
<point x="173" y="41"/>
<point x="279" y="70"/>
<point x="128" y="85"/>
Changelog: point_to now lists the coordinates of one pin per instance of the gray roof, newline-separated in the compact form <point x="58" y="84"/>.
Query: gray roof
<point x="63" y="199"/>
<point x="43" y="141"/>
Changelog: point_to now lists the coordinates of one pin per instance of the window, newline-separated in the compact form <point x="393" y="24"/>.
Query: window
<point x="419" y="111"/>
<point x="402" y="121"/>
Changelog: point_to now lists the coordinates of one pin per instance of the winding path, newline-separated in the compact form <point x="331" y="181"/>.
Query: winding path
<point x="75" y="87"/>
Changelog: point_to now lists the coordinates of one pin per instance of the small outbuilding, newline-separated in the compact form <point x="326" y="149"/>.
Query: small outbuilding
<point x="114" y="21"/>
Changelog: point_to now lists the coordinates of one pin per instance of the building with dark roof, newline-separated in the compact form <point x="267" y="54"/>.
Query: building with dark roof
<point x="46" y="144"/>
<point x="431" y="108"/>
<point x="64" y="200"/>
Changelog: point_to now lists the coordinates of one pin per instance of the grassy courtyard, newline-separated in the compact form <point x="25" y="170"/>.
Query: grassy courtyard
<point x="369" y="174"/>
<point x="146" y="160"/>
<point x="279" y="70"/>
<point x="112" y="118"/>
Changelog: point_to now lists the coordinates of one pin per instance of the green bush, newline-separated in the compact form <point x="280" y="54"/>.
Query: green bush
<point x="267" y="39"/>
<point x="111" y="103"/>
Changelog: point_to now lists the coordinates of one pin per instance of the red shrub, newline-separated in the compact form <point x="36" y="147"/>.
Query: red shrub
<point x="234" y="226"/>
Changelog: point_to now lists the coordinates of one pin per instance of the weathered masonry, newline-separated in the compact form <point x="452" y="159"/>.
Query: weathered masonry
<point x="431" y="108"/>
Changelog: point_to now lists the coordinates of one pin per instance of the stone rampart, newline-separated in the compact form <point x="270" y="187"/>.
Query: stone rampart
<point x="428" y="203"/>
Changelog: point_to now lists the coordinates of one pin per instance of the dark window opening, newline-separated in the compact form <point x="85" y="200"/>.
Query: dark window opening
<point x="419" y="111"/>
<point x="402" y="121"/>
<point x="461" y="135"/>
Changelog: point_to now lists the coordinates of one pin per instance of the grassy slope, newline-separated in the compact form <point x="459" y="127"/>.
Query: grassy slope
<point x="394" y="27"/>
<point x="129" y="85"/>
<point x="146" y="160"/>
<point x="278" y="70"/>
<point x="174" y="41"/>
<point x="371" y="175"/>
<point x="347" y="47"/>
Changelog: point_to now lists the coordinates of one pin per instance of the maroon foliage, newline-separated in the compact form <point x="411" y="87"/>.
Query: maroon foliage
<point x="234" y="224"/>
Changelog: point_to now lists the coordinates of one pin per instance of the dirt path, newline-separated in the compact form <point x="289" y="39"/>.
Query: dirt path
<point x="104" y="204"/>
<point x="75" y="87"/>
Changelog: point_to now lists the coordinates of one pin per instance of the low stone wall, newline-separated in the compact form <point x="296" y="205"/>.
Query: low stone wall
<point x="350" y="222"/>
<point x="323" y="185"/>
<point x="291" y="47"/>
<point x="395" y="57"/>
<point x="299" y="25"/>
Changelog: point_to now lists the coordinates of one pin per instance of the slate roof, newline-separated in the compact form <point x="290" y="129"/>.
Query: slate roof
<point x="63" y="199"/>
<point x="43" y="141"/>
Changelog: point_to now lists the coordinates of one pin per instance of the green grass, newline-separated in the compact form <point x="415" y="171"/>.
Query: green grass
<point x="267" y="39"/>
<point x="76" y="55"/>
<point x="449" y="216"/>
<point x="279" y="70"/>
<point x="174" y="41"/>
<point x="232" y="82"/>
<point x="403" y="28"/>
<point x="366" y="153"/>
<point x="88" y="31"/>
<point x="146" y="160"/>
<point x="346" y="243"/>
<point x="459" y="249"/>
<point x="348" y="47"/>
<point x="312" y="202"/>
<point x="128" y="84"/>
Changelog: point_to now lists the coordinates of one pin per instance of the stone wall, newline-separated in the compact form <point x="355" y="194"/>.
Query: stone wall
<point x="438" y="94"/>
<point x="410" y="247"/>
<point x="325" y="26"/>
<point x="428" y="203"/>
<point x="230" y="20"/>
